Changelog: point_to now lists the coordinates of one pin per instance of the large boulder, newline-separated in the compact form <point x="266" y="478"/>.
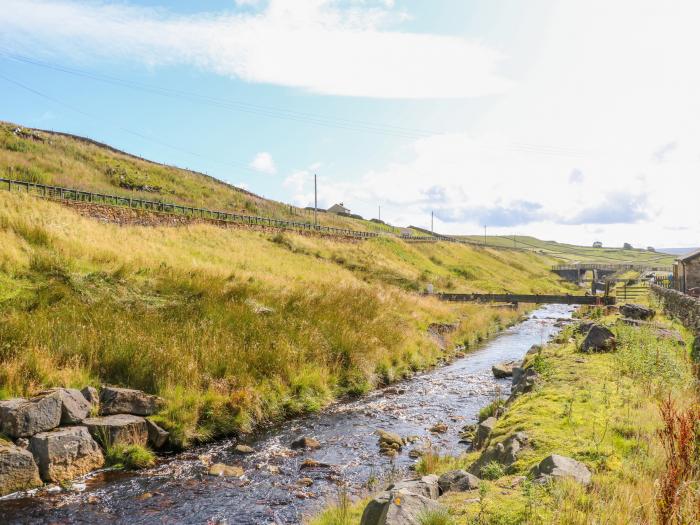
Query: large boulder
<point x="74" y="407"/>
<point x="23" y="418"/>
<point x="18" y="471"/>
<point x="558" y="467"/>
<point x="483" y="432"/>
<point x="598" y="339"/>
<point x="65" y="453"/>
<point x="389" y="442"/>
<point x="426" y="486"/>
<point x="505" y="452"/>
<point x="503" y="370"/>
<point x="91" y="394"/>
<point x="115" y="400"/>
<point x="118" y="429"/>
<point x="637" y="311"/>
<point x="458" y="481"/>
<point x="305" y="442"/>
<point x="398" y="507"/>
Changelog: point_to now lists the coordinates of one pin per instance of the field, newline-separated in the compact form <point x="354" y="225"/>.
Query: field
<point x="232" y="327"/>
<point x="571" y="252"/>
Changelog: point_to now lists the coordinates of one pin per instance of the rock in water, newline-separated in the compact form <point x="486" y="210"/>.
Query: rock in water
<point x="119" y="429"/>
<point x="439" y="428"/>
<point x="398" y="507"/>
<point x="503" y="370"/>
<point x="458" y="481"/>
<point x="65" y="453"/>
<point x="243" y="449"/>
<point x="128" y="401"/>
<point x="637" y="311"/>
<point x="598" y="339"/>
<point x="305" y="442"/>
<point x="18" y="471"/>
<point x="23" y="418"/>
<point x="557" y="467"/>
<point x="389" y="443"/>
<point x="219" y="469"/>
<point x="74" y="406"/>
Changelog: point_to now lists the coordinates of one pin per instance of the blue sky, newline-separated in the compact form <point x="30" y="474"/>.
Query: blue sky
<point x="561" y="121"/>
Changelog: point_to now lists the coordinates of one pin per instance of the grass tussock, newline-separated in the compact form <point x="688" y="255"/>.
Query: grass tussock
<point x="130" y="457"/>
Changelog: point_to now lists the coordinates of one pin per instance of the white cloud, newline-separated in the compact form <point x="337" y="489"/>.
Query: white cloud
<point x="315" y="45"/>
<point x="264" y="163"/>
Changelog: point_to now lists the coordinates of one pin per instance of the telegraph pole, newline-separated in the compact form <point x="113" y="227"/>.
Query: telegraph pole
<point x="484" y="235"/>
<point x="380" y="212"/>
<point x="315" y="202"/>
<point x="431" y="223"/>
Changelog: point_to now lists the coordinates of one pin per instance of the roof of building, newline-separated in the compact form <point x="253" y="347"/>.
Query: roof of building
<point x="689" y="256"/>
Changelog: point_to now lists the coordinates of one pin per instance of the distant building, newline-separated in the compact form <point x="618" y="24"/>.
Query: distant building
<point x="597" y="244"/>
<point x="686" y="272"/>
<point x="338" y="208"/>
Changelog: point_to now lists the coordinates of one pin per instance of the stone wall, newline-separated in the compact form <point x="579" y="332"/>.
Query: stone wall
<point x="692" y="273"/>
<point x="680" y="306"/>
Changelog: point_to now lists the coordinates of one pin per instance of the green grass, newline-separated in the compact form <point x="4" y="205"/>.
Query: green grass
<point x="234" y="328"/>
<point x="131" y="457"/>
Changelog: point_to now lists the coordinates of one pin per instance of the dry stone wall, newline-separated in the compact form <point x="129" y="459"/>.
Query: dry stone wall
<point x="680" y="306"/>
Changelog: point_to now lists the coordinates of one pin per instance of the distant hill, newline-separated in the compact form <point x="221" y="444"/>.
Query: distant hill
<point x="679" y="251"/>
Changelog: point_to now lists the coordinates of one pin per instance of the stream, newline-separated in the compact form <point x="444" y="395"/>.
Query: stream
<point x="179" y="490"/>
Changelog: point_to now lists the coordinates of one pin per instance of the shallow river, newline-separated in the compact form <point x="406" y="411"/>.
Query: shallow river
<point x="180" y="491"/>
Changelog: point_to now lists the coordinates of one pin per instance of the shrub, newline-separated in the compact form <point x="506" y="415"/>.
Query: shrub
<point x="492" y="470"/>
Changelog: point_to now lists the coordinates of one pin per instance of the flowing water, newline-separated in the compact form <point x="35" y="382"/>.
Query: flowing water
<point x="179" y="490"/>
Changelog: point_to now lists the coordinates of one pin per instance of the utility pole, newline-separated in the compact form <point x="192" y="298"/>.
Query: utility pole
<point x="515" y="244"/>
<point x="315" y="202"/>
<point x="431" y="223"/>
<point x="380" y="212"/>
<point x="484" y="235"/>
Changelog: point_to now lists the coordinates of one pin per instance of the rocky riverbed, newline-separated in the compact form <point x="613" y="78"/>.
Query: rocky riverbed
<point x="278" y="478"/>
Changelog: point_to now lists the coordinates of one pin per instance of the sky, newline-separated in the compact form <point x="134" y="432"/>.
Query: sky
<point x="567" y="120"/>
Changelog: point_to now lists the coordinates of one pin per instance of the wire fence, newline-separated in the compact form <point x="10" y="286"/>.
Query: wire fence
<point x="75" y="195"/>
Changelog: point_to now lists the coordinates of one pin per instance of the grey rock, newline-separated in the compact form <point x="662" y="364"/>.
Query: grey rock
<point x="115" y="400"/>
<point x="503" y="370"/>
<point x="243" y="449"/>
<point x="583" y="327"/>
<point x="157" y="437"/>
<point x="118" y="429"/>
<point x="458" y="481"/>
<point x="523" y="382"/>
<point x="65" y="453"/>
<point x="483" y="432"/>
<point x="90" y="393"/>
<point x="637" y="311"/>
<point x="670" y="335"/>
<point x="23" y="418"/>
<point x="74" y="406"/>
<point x="598" y="339"/>
<point x="426" y="486"/>
<point x="18" y="471"/>
<point x="558" y="467"/>
<point x="398" y="507"/>
<point x="505" y="452"/>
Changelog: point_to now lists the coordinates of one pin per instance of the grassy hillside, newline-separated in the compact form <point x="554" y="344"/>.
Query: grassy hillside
<point x="232" y="327"/>
<point x="51" y="158"/>
<point x="571" y="252"/>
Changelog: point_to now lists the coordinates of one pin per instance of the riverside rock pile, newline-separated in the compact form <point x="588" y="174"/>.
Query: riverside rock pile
<point x="54" y="439"/>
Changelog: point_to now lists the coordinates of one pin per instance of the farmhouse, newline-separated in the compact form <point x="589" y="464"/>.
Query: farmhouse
<point x="686" y="272"/>
<point x="338" y="208"/>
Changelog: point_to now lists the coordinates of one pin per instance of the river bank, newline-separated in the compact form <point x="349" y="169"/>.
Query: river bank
<point x="271" y="490"/>
<point x="625" y="415"/>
